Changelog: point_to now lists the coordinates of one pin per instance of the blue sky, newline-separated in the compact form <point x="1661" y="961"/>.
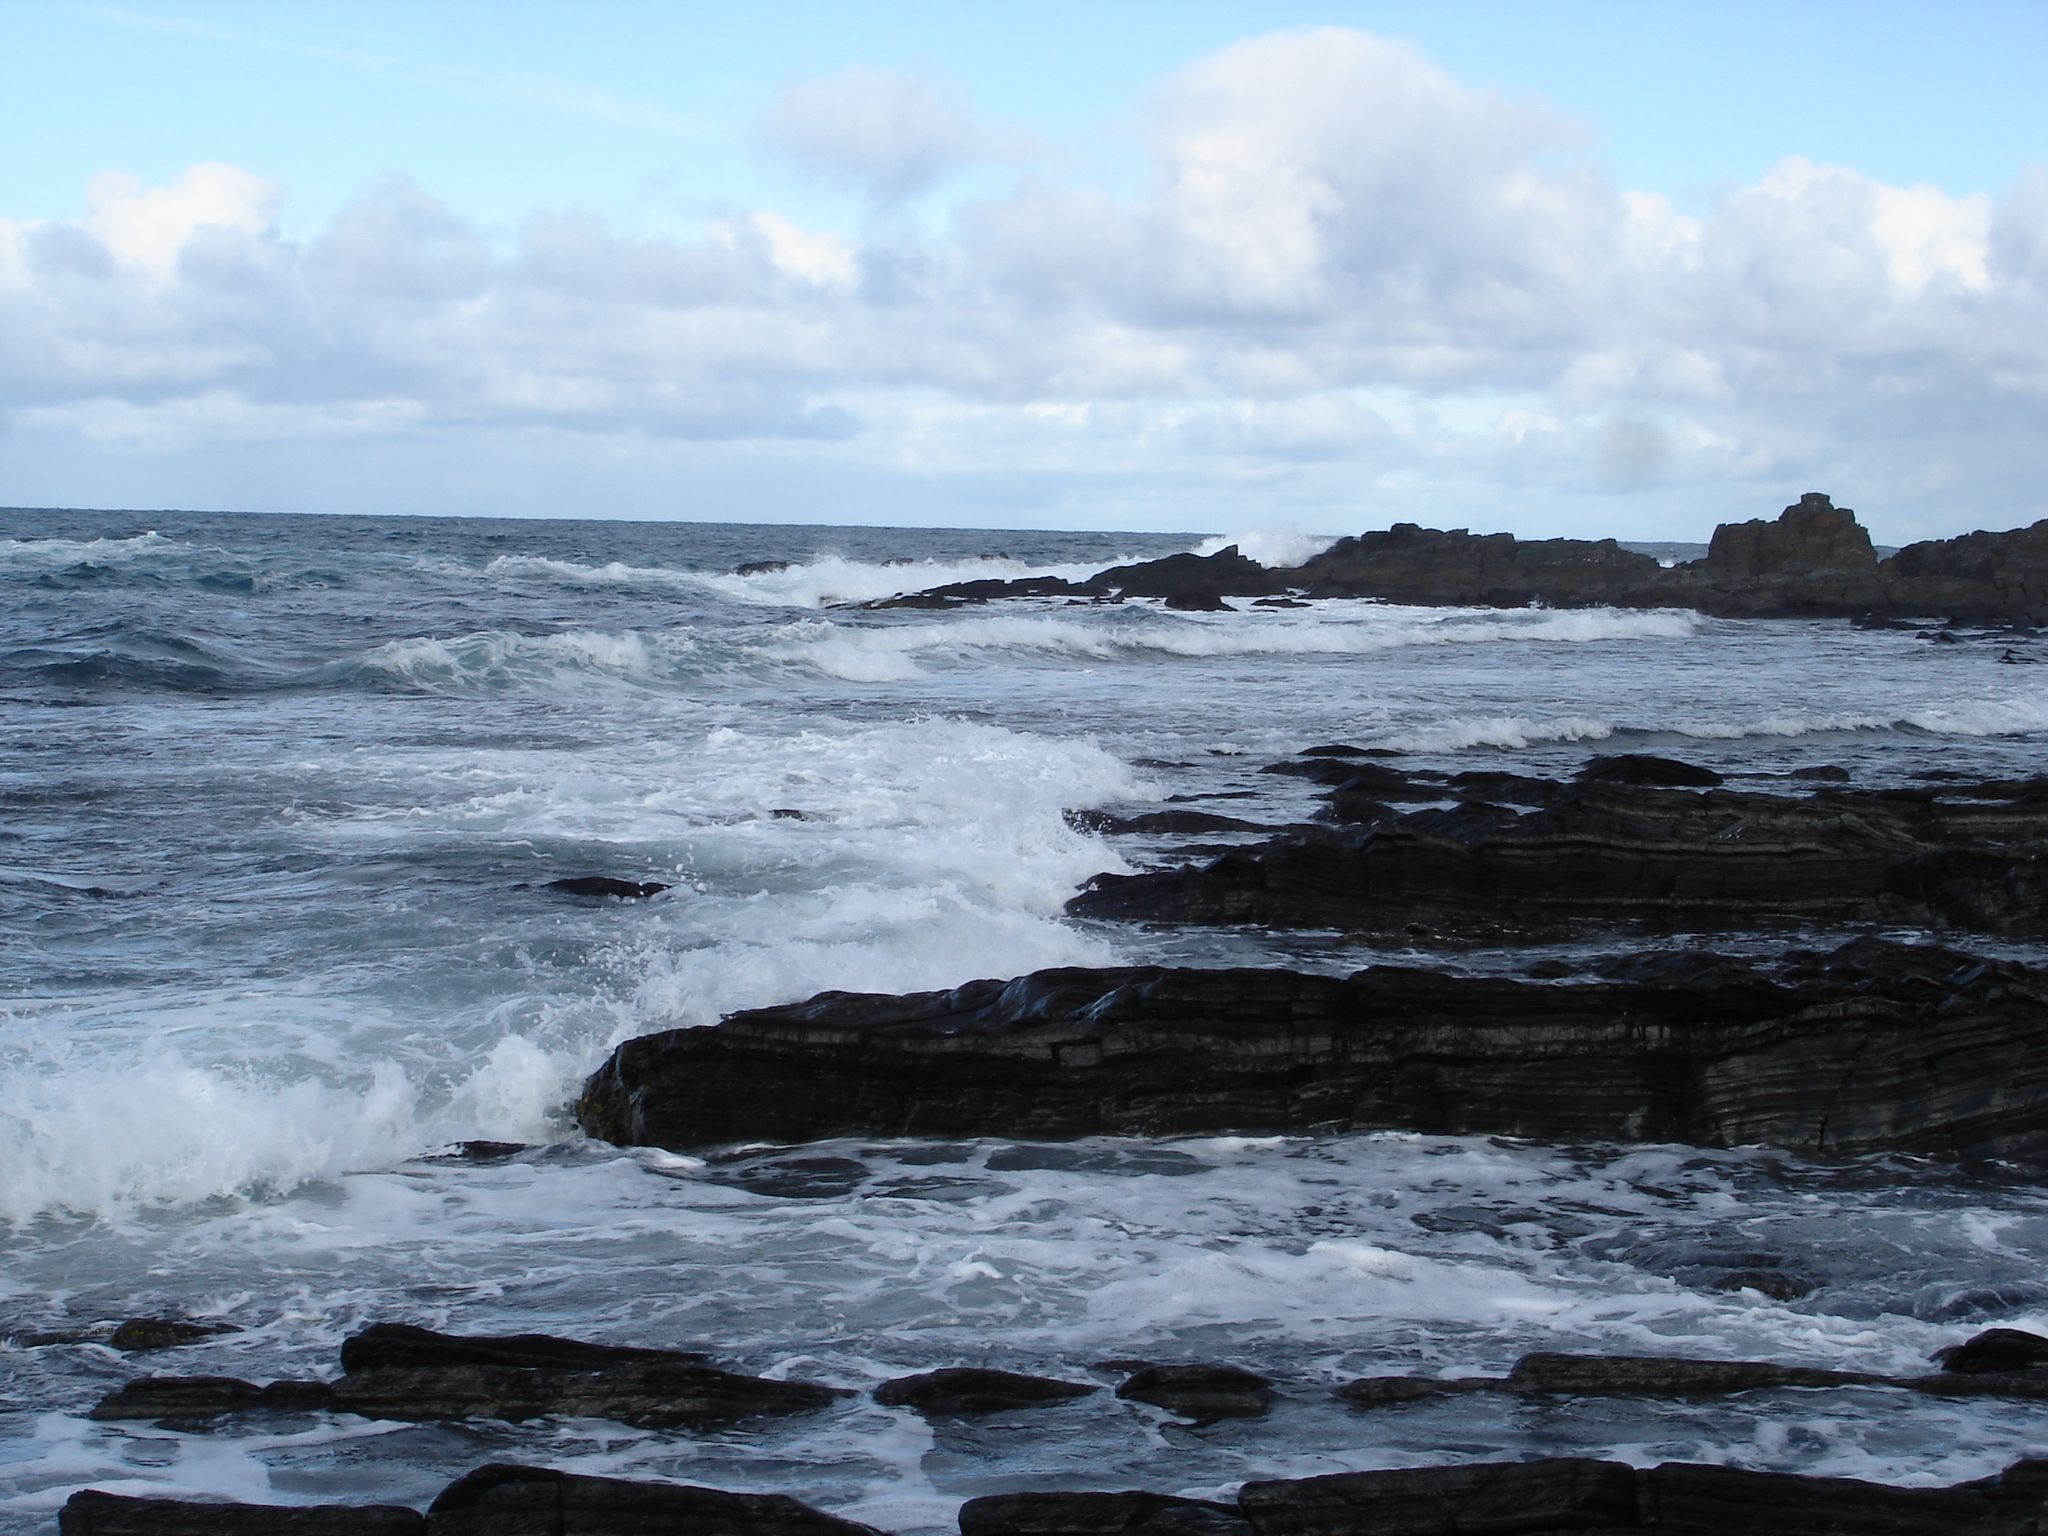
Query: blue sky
<point x="1198" y="265"/>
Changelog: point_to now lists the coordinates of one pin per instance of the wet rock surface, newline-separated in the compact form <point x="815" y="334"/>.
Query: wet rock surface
<point x="516" y="1501"/>
<point x="1616" y="848"/>
<point x="1876" y="1046"/>
<point x="973" y="1389"/>
<point x="2001" y="1362"/>
<point x="1812" y="561"/>
<point x="607" y="885"/>
<point x="92" y="1513"/>
<point x="1206" y="1392"/>
<point x="397" y="1371"/>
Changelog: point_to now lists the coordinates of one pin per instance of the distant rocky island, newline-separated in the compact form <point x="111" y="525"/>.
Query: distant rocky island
<point x="1814" y="561"/>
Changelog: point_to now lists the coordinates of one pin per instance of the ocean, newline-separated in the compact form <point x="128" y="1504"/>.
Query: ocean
<point x="282" y="796"/>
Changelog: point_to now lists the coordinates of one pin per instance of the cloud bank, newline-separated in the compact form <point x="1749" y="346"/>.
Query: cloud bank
<point x="1351" y="289"/>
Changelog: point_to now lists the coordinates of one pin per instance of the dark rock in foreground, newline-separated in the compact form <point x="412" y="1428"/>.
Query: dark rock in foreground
<point x="1542" y="1498"/>
<point x="92" y="1513"/>
<point x="1130" y="1513"/>
<point x="1534" y="1498"/>
<point x="972" y="1389"/>
<point x="534" y="1501"/>
<point x="1877" y="1047"/>
<point x="1597" y="854"/>
<point x="397" y="1371"/>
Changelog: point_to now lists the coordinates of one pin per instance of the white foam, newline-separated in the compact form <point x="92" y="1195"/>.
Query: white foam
<point x="1275" y="548"/>
<point x="933" y="852"/>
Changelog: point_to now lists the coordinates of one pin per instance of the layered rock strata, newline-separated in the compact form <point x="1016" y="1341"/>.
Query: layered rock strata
<point x="1604" y="852"/>
<point x="1813" y="561"/>
<point x="1877" y="1047"/>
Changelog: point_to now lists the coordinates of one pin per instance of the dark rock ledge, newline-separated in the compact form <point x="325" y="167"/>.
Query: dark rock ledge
<point x="1877" y="1047"/>
<point x="2000" y="1362"/>
<point x="397" y="1371"/>
<point x="1484" y="1499"/>
<point x="1813" y="561"/>
<point x="1610" y="851"/>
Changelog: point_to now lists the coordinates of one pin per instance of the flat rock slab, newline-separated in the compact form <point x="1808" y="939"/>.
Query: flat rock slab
<point x="535" y="1501"/>
<point x="972" y="1389"/>
<point x="1605" y="853"/>
<point x="1099" y="1514"/>
<point x="656" y="1396"/>
<point x="92" y="1513"/>
<point x="1678" y="1377"/>
<point x="1876" y="1047"/>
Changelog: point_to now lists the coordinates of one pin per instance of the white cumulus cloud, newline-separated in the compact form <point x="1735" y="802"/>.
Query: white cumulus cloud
<point x="1350" y="288"/>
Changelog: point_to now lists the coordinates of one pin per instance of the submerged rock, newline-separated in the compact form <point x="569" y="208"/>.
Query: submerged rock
<point x="1201" y="1391"/>
<point x="973" y="1389"/>
<point x="1877" y="1047"/>
<point x="140" y="1335"/>
<point x="2002" y="1362"/>
<point x="606" y="885"/>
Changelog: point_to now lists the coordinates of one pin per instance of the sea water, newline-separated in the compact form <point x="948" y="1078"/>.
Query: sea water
<point x="282" y="797"/>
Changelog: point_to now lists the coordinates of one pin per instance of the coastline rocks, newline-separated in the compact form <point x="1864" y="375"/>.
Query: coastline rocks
<point x="397" y="1371"/>
<point x="1206" y="1392"/>
<point x="973" y="1389"/>
<point x="1601" y="854"/>
<point x="1536" y="1498"/>
<point x="536" y="1501"/>
<point x="90" y="1512"/>
<point x="1188" y="580"/>
<point x="1813" y="561"/>
<point x="1566" y="1493"/>
<point x="2000" y="1362"/>
<point x="1130" y="1513"/>
<point x="1431" y="567"/>
<point x="1876" y="1047"/>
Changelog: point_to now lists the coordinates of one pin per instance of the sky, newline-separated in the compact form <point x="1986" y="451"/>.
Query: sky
<point x="1555" y="267"/>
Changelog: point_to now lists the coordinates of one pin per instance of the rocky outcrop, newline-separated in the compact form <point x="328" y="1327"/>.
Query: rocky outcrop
<point x="1604" y="853"/>
<point x="2001" y="1362"/>
<point x="1204" y="1392"/>
<point x="973" y="1389"/>
<point x="1538" y="1498"/>
<point x="90" y="1512"/>
<point x="1877" y="1047"/>
<point x="1541" y="1498"/>
<point x="1200" y="578"/>
<point x="1410" y="564"/>
<point x="495" y="1500"/>
<point x="516" y="1501"/>
<point x="1813" y="561"/>
<point x="396" y="1371"/>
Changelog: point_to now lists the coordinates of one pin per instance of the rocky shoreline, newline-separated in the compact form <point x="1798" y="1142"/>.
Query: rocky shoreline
<point x="1814" y="561"/>
<point x="412" y="1373"/>
<point x="1538" y="1498"/>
